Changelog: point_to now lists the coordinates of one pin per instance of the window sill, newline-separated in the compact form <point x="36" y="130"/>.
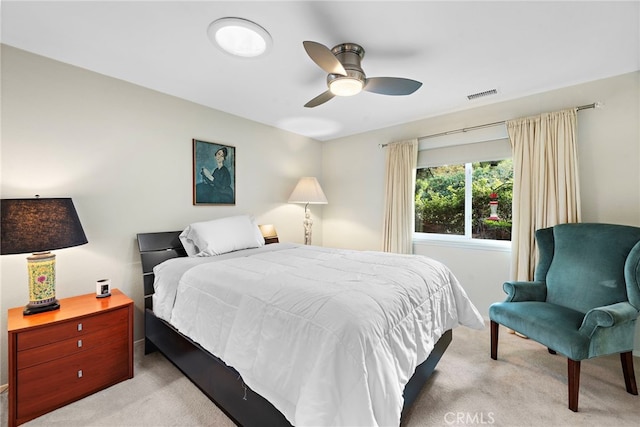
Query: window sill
<point x="461" y="242"/>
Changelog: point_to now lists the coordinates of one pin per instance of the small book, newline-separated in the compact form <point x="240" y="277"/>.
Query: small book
<point x="206" y="173"/>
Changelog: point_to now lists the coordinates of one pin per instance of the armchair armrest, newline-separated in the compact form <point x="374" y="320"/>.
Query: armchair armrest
<point x="607" y="316"/>
<point x="525" y="291"/>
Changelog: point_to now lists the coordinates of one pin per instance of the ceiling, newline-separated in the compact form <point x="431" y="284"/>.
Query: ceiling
<point x="455" y="48"/>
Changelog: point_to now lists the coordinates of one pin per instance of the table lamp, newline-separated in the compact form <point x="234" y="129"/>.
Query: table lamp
<point x="269" y="233"/>
<point x="308" y="191"/>
<point x="39" y="226"/>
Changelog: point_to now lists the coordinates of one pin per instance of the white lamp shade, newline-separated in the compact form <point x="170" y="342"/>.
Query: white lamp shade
<point x="308" y="190"/>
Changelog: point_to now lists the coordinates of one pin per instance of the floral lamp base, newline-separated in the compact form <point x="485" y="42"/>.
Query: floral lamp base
<point x="42" y="283"/>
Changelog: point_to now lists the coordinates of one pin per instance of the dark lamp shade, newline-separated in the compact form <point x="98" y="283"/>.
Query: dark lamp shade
<point x="39" y="225"/>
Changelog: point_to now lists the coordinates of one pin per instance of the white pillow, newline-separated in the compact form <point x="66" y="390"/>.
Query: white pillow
<point x="219" y="236"/>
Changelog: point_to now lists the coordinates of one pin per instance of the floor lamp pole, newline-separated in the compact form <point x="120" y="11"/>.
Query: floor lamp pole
<point x="308" y="222"/>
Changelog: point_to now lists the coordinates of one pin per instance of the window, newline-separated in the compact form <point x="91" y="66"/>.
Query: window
<point x="470" y="199"/>
<point x="464" y="185"/>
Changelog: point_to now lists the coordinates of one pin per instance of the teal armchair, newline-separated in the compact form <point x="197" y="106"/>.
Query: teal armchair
<point x="584" y="299"/>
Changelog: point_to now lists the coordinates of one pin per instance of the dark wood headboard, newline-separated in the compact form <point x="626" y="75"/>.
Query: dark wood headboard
<point x="154" y="249"/>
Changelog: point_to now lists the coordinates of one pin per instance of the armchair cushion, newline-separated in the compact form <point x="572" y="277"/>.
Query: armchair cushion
<point x="555" y="326"/>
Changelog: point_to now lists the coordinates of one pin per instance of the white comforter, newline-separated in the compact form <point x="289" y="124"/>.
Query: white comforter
<point x="330" y="337"/>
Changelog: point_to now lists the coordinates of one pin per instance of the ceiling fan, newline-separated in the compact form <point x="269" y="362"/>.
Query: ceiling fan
<point x="346" y="77"/>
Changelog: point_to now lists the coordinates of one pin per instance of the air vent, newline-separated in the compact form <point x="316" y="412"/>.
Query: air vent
<point x="481" y="94"/>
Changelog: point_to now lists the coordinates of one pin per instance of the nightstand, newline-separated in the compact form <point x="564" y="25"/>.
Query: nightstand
<point x="61" y="356"/>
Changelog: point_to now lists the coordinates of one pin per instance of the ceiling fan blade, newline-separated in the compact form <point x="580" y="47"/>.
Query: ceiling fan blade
<point x="391" y="85"/>
<point x="320" y="99"/>
<point x="321" y="55"/>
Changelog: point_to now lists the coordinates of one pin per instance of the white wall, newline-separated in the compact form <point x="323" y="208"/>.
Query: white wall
<point x="609" y="154"/>
<point x="124" y="155"/>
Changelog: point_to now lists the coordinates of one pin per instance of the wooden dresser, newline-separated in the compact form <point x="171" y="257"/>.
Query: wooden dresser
<point x="61" y="356"/>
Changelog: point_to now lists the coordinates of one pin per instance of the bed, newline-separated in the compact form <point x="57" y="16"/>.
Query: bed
<point x="244" y="398"/>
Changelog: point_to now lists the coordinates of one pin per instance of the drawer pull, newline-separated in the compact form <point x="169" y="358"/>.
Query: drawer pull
<point x="80" y="373"/>
<point x="79" y="327"/>
<point x="79" y="343"/>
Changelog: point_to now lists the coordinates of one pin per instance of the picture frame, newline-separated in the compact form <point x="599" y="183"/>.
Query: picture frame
<point x="103" y="288"/>
<point x="214" y="173"/>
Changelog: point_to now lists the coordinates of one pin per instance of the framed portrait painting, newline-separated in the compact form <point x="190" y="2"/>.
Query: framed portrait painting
<point x="214" y="173"/>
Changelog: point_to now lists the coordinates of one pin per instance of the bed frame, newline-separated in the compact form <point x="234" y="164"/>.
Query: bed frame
<point x="219" y="382"/>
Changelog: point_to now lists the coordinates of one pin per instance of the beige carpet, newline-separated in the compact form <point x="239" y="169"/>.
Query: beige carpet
<point x="525" y="387"/>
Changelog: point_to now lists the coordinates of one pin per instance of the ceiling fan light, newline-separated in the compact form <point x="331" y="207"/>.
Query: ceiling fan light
<point x="239" y="37"/>
<point x="346" y="86"/>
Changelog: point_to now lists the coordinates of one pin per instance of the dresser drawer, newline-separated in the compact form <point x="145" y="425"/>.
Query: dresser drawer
<point x="70" y="329"/>
<point x="56" y="350"/>
<point x="44" y="387"/>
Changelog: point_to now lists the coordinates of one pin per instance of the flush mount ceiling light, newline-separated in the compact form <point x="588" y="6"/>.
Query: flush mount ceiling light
<point x="239" y="37"/>
<point x="348" y="85"/>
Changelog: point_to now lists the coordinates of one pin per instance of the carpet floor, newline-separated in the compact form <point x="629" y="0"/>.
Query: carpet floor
<point x="526" y="386"/>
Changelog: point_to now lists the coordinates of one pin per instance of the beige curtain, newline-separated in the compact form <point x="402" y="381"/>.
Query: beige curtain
<point x="546" y="190"/>
<point x="402" y="157"/>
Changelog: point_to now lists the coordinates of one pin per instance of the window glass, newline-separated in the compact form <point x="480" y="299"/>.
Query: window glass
<point x="440" y="195"/>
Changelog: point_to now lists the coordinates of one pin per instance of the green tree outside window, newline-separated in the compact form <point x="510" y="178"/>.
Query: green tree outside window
<point x="441" y="193"/>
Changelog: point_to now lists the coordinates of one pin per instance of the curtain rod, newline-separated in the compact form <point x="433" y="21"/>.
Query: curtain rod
<point x="486" y="125"/>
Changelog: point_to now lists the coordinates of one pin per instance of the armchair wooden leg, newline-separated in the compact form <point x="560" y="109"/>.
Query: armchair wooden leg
<point x="494" y="340"/>
<point x="629" y="375"/>
<point x="574" y="383"/>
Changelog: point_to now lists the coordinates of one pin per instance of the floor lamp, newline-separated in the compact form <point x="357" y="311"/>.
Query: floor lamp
<point x="308" y="191"/>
